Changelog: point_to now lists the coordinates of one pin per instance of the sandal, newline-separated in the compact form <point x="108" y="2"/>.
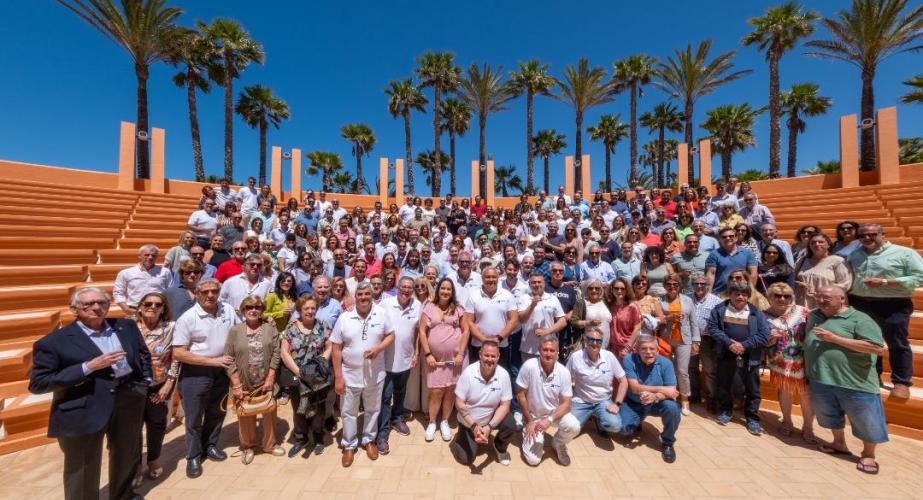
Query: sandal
<point x="138" y="479"/>
<point x="830" y="450"/>
<point x="155" y="473"/>
<point x="808" y="436"/>
<point x="871" y="468"/>
<point x="786" y="430"/>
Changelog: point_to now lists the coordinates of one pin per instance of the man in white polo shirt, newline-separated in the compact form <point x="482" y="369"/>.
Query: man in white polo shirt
<point x="204" y="223"/>
<point x="482" y="397"/>
<point x="198" y="343"/>
<point x="359" y="340"/>
<point x="540" y="315"/>
<point x="594" y="371"/>
<point x="402" y="356"/>
<point x="250" y="282"/>
<point x="545" y="398"/>
<point x="492" y="312"/>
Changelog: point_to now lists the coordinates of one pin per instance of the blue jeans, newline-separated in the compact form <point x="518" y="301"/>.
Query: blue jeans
<point x="396" y="388"/>
<point x="609" y="422"/>
<point x="864" y="409"/>
<point x="633" y="414"/>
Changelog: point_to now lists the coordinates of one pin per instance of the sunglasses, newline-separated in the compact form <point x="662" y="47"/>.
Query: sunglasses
<point x="152" y="305"/>
<point x="186" y="273"/>
<point x="783" y="296"/>
<point x="592" y="341"/>
<point x="253" y="308"/>
<point x="198" y="254"/>
<point x="700" y="285"/>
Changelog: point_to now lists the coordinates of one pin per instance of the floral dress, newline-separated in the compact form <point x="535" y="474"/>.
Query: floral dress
<point x="786" y="353"/>
<point x="305" y="346"/>
<point x="160" y="342"/>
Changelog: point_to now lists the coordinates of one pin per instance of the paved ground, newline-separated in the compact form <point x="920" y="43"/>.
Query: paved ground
<point x="713" y="461"/>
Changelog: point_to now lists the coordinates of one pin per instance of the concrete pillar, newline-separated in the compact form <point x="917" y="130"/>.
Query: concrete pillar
<point x="296" y="175"/>
<point x="127" y="156"/>
<point x="587" y="182"/>
<point x="490" y="183"/>
<point x="849" y="151"/>
<point x="475" y="178"/>
<point x="275" y="173"/>
<point x="383" y="182"/>
<point x="682" y="162"/>
<point x="158" y="138"/>
<point x="569" y="176"/>
<point x="705" y="163"/>
<point x="887" y="155"/>
<point x="398" y="181"/>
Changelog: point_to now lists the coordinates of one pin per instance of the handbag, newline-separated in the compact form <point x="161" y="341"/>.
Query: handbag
<point x="254" y="403"/>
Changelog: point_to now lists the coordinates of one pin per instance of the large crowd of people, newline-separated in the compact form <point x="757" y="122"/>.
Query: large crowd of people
<point x="484" y="321"/>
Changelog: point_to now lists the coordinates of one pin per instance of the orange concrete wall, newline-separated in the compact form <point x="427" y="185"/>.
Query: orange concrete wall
<point x="57" y="175"/>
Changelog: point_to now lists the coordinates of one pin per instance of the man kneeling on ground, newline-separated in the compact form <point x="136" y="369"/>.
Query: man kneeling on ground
<point x="595" y="371"/>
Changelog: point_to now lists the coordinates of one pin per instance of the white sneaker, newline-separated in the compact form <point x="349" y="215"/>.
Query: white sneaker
<point x="430" y="431"/>
<point x="445" y="430"/>
<point x="503" y="458"/>
<point x="685" y="410"/>
<point x="518" y="418"/>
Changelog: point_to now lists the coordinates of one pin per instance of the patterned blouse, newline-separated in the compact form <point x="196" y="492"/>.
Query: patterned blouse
<point x="786" y="354"/>
<point x="160" y="342"/>
<point x="305" y="346"/>
<point x="255" y="369"/>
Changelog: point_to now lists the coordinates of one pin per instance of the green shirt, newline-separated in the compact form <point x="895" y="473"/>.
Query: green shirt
<point x="832" y="364"/>
<point x="901" y="266"/>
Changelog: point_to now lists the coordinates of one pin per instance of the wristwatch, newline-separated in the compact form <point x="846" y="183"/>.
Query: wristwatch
<point x="618" y="403"/>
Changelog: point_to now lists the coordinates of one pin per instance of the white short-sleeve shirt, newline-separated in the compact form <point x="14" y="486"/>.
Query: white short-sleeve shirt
<point x="348" y="332"/>
<point x="593" y="381"/>
<point x="203" y="333"/>
<point x="236" y="288"/>
<point x="465" y="288"/>
<point x="204" y="221"/>
<point x="404" y="320"/>
<point x="545" y="392"/>
<point x="490" y="313"/>
<point x="483" y="397"/>
<point x="544" y="315"/>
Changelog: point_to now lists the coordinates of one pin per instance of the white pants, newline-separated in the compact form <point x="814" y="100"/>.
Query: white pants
<point x="533" y="449"/>
<point x="349" y="410"/>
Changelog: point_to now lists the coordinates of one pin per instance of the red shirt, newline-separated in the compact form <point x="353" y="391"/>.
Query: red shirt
<point x="229" y="269"/>
<point x="651" y="240"/>
<point x="669" y="207"/>
<point x="479" y="210"/>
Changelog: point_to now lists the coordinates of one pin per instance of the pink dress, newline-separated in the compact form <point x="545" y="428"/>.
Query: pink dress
<point x="444" y="335"/>
<point x="624" y="320"/>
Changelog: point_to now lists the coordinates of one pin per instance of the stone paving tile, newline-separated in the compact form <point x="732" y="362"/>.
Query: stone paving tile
<point x="713" y="462"/>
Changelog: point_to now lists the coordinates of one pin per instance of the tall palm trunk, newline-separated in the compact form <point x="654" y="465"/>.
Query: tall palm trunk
<point x="578" y="153"/>
<point x="482" y="153"/>
<point x="407" y="151"/>
<point x="142" y="151"/>
<point x="452" y="167"/>
<point x="229" y="123"/>
<point x="792" y="145"/>
<point x="688" y="137"/>
<point x="194" y="128"/>
<point x="867" y="138"/>
<point x="775" y="125"/>
<point x="262" y="151"/>
<point x="661" y="153"/>
<point x="633" y="173"/>
<point x="530" y="169"/>
<point x="437" y="165"/>
<point x="328" y="182"/>
<point x="725" y="164"/>
<point x="359" y="180"/>
<point x="608" y="169"/>
<point x="546" y="174"/>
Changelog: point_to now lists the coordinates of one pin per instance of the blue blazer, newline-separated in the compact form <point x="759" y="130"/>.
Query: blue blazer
<point x="757" y="325"/>
<point x="82" y="404"/>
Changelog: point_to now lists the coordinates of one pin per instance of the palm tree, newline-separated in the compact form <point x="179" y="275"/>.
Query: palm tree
<point x="915" y="95"/>
<point x="343" y="182"/>
<point x="485" y="91"/>
<point x="689" y="76"/>
<point x="429" y="165"/>
<point x="662" y="118"/>
<point x="776" y="33"/>
<point x="532" y="79"/>
<point x="824" y="167"/>
<point x="403" y="98"/>
<point x="456" y="119"/>
<point x="196" y="56"/>
<point x="545" y="144"/>
<point x="327" y="163"/>
<point x="236" y="50"/>
<point x="363" y="139"/>
<point x="438" y="70"/>
<point x="506" y="179"/>
<point x="801" y="100"/>
<point x="259" y="107"/>
<point x="731" y="129"/>
<point x="633" y="74"/>
<point x="610" y="130"/>
<point x="911" y="150"/>
<point x="147" y="30"/>
<point x="583" y="88"/>
<point x="751" y="175"/>
<point x="865" y="36"/>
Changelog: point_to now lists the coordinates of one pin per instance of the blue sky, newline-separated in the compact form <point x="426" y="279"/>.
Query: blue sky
<point x="67" y="87"/>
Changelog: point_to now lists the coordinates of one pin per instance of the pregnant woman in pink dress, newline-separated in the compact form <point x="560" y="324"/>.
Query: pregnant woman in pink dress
<point x="443" y="339"/>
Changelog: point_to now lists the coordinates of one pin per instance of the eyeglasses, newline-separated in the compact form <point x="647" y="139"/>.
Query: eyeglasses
<point x="464" y="263"/>
<point x="728" y="237"/>
<point x="863" y="236"/>
<point x="100" y="303"/>
<point x="210" y="291"/>
<point x="671" y="285"/>
<point x="235" y="249"/>
<point x="594" y="289"/>
<point x="186" y="273"/>
<point x="592" y="341"/>
<point x="783" y="296"/>
<point x="152" y="305"/>
<point x="557" y="271"/>
<point x="700" y="285"/>
<point x="198" y="254"/>
<point x="252" y="308"/>
<point x="254" y="264"/>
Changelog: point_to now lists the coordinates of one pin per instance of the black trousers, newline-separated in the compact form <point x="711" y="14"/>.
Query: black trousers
<point x="314" y="425"/>
<point x="83" y="455"/>
<point x="750" y="375"/>
<point x="202" y="388"/>
<point x="893" y="317"/>
<point x="155" y="421"/>
<point x="505" y="432"/>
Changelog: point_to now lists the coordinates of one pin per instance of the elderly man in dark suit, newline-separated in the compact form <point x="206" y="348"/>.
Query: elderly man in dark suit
<point x="98" y="370"/>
